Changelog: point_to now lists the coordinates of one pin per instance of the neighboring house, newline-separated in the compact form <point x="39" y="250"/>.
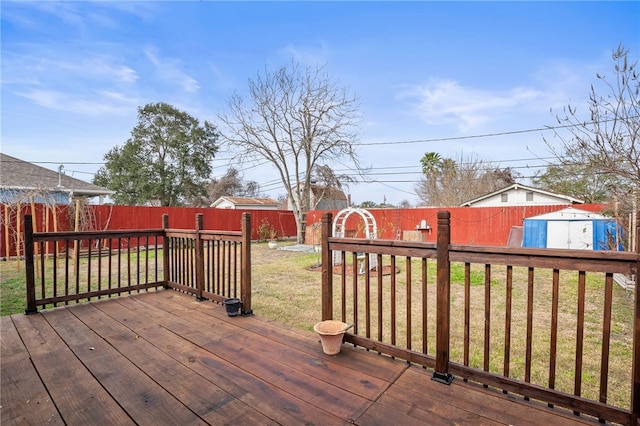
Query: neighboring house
<point x="324" y="198"/>
<point x="21" y="180"/>
<point x="571" y="228"/>
<point x="245" y="203"/>
<point x="520" y="195"/>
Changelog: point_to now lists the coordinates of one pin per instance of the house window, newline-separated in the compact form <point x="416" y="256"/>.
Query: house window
<point x="504" y="198"/>
<point x="530" y="196"/>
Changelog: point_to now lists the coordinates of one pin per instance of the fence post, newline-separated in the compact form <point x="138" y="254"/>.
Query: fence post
<point x="327" y="269"/>
<point x="29" y="265"/>
<point x="443" y="307"/>
<point x="166" y="253"/>
<point x="199" y="257"/>
<point x="245" y="273"/>
<point x="635" y="391"/>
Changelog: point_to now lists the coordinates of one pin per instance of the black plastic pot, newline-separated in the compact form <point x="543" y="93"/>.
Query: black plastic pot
<point x="233" y="307"/>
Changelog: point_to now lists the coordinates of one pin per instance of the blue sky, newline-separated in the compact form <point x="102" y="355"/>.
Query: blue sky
<point x="429" y="76"/>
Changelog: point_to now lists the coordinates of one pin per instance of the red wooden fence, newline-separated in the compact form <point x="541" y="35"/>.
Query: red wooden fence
<point x="469" y="225"/>
<point x="110" y="217"/>
<point x="477" y="226"/>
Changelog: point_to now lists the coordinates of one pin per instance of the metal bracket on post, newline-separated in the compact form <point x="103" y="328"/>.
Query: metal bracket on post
<point x="444" y="378"/>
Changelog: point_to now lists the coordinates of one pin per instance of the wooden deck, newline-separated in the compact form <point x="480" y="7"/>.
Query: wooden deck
<point x="163" y="358"/>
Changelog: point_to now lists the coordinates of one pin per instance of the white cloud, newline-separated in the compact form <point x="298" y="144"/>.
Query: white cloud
<point x="82" y="16"/>
<point x="41" y="65"/>
<point x="314" y="56"/>
<point x="169" y="70"/>
<point x="101" y="66"/>
<point x="102" y="102"/>
<point x="126" y="74"/>
<point x="446" y="102"/>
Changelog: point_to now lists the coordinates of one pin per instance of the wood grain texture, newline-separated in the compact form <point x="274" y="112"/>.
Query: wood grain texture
<point x="165" y="358"/>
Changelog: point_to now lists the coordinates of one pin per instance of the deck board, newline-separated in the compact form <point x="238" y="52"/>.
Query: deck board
<point x="204" y="398"/>
<point x="72" y="388"/>
<point x="239" y="376"/>
<point x="358" y="361"/>
<point x="133" y="388"/>
<point x="276" y="371"/>
<point x="24" y="399"/>
<point x="165" y="358"/>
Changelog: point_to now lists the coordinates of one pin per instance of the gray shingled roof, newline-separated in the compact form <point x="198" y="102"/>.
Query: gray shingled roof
<point x="21" y="175"/>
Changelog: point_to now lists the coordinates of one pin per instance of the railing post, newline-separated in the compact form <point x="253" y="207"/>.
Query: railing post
<point x="327" y="269"/>
<point x="29" y="265"/>
<point x="165" y="250"/>
<point x="441" y="373"/>
<point x="245" y="273"/>
<point x="635" y="391"/>
<point x="199" y="257"/>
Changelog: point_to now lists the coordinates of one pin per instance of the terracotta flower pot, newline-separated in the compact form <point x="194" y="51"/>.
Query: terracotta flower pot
<point x="331" y="334"/>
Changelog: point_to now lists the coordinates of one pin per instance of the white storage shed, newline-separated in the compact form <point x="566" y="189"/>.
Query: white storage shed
<point x="571" y="228"/>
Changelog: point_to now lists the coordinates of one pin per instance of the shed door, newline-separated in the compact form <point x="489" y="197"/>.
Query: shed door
<point x="574" y="234"/>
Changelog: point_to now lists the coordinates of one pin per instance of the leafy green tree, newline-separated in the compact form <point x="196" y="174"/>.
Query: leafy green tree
<point x="577" y="181"/>
<point x="369" y="205"/>
<point x="431" y="162"/>
<point x="166" y="161"/>
<point x="383" y="205"/>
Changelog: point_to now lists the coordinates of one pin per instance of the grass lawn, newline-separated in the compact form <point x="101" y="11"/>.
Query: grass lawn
<point x="13" y="289"/>
<point x="286" y="289"/>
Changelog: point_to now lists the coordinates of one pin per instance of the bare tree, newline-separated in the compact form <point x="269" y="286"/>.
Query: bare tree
<point x="607" y="141"/>
<point x="293" y="118"/>
<point x="327" y="181"/>
<point x="231" y="184"/>
<point x="447" y="182"/>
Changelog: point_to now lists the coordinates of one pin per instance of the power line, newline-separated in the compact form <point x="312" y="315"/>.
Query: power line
<point x="444" y="139"/>
<point x="487" y="135"/>
<point x="59" y="162"/>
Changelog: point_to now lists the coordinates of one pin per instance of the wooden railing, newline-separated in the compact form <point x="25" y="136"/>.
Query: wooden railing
<point x="534" y="322"/>
<point x="212" y="265"/>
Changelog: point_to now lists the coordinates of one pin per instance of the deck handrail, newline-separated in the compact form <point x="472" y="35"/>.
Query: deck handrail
<point x="211" y="264"/>
<point x="126" y="261"/>
<point x="356" y="297"/>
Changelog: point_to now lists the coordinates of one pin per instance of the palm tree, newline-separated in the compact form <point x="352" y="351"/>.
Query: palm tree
<point x="431" y="162"/>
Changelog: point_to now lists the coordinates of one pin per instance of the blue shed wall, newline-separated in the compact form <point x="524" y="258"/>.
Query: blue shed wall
<point x="604" y="235"/>
<point x="534" y="233"/>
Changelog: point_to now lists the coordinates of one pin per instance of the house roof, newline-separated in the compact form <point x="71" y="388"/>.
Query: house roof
<point x="516" y="186"/>
<point x="328" y="193"/>
<point x="569" y="213"/>
<point x="245" y="201"/>
<point x="20" y="175"/>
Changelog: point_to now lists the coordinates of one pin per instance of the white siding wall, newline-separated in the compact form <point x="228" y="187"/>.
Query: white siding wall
<point x="226" y="204"/>
<point x="518" y="197"/>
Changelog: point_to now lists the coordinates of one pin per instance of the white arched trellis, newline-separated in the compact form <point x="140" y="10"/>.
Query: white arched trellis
<point x="371" y="230"/>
